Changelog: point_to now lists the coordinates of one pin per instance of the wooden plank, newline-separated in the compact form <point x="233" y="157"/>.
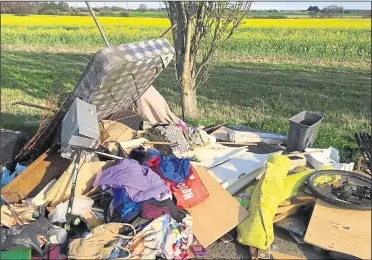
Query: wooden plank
<point x="36" y="176"/>
<point x="218" y="214"/>
<point x="286" y="214"/>
<point x="298" y="198"/>
<point x="297" y="204"/>
<point x="341" y="230"/>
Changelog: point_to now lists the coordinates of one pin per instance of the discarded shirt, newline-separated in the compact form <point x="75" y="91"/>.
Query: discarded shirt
<point x="140" y="182"/>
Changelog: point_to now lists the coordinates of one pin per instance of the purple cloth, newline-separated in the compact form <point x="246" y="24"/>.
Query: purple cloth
<point x="152" y="212"/>
<point x="140" y="182"/>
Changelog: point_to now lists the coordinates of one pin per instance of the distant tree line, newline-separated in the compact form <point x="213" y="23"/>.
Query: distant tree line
<point x="334" y="11"/>
<point x="62" y="8"/>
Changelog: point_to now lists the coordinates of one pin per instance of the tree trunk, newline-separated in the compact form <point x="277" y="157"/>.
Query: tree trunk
<point x="189" y="103"/>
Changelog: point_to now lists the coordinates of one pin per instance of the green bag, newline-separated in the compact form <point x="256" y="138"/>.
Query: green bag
<point x="21" y="254"/>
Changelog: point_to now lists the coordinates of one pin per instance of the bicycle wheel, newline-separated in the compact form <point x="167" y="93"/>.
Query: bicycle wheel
<point x="345" y="189"/>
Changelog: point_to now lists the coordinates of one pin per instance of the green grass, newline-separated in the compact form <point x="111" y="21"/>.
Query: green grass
<point x="263" y="76"/>
<point x="261" y="95"/>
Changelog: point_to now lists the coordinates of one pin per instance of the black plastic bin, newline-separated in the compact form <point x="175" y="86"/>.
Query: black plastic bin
<point x="303" y="129"/>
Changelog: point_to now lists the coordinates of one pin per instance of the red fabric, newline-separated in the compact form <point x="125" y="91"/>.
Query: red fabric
<point x="189" y="192"/>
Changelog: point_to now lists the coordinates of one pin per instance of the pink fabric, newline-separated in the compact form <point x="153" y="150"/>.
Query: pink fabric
<point x="52" y="254"/>
<point x="153" y="107"/>
<point x="152" y="212"/>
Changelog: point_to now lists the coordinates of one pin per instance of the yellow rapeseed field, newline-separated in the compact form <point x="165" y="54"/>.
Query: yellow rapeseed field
<point x="336" y="39"/>
<point x="163" y="22"/>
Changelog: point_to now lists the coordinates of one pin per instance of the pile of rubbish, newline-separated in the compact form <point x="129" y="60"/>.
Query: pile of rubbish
<point x="114" y="183"/>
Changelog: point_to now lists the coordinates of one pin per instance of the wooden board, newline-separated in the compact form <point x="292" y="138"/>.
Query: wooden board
<point x="60" y="192"/>
<point x="218" y="214"/>
<point x="295" y="204"/>
<point x="36" y="176"/>
<point x="337" y="229"/>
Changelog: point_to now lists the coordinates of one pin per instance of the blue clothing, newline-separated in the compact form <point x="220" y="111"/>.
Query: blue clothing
<point x="127" y="208"/>
<point x="173" y="168"/>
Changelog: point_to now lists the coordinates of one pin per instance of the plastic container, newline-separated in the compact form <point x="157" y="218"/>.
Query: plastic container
<point x="303" y="129"/>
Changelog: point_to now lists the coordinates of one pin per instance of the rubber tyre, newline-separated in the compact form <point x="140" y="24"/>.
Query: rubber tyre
<point x="334" y="201"/>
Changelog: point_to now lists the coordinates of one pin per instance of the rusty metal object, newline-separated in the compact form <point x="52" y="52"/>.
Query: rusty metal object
<point x="30" y="105"/>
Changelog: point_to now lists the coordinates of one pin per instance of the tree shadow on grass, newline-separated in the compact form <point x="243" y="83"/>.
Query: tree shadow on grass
<point x="41" y="74"/>
<point x="247" y="84"/>
<point x="15" y="122"/>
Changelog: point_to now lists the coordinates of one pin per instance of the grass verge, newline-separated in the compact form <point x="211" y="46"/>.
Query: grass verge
<point x="262" y="95"/>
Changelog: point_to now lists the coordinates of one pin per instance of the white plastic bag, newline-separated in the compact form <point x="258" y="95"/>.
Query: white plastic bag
<point x="80" y="206"/>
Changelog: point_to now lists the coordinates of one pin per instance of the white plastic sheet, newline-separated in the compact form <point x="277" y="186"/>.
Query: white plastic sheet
<point x="80" y="206"/>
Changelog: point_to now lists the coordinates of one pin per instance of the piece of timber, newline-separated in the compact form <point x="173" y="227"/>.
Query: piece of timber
<point x="36" y="176"/>
<point x="286" y="208"/>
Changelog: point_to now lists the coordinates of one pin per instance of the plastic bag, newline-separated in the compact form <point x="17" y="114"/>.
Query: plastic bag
<point x="189" y="192"/>
<point x="57" y="235"/>
<point x="80" y="206"/>
<point x="8" y="176"/>
<point x="24" y="236"/>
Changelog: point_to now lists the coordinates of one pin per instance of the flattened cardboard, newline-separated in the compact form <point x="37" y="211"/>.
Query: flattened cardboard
<point x="60" y="191"/>
<point x="113" y="131"/>
<point x="341" y="230"/>
<point x="218" y="214"/>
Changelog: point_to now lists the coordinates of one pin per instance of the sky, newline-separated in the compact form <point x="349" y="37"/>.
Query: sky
<point x="256" y="5"/>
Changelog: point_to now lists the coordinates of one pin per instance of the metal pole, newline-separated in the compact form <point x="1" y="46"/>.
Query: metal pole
<point x="99" y="27"/>
<point x="73" y="186"/>
<point x="166" y="32"/>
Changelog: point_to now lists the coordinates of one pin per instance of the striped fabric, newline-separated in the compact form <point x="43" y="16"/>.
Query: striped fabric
<point x="118" y="75"/>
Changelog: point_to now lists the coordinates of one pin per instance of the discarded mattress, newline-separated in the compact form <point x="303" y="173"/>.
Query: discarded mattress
<point x="239" y="171"/>
<point x="118" y="75"/>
